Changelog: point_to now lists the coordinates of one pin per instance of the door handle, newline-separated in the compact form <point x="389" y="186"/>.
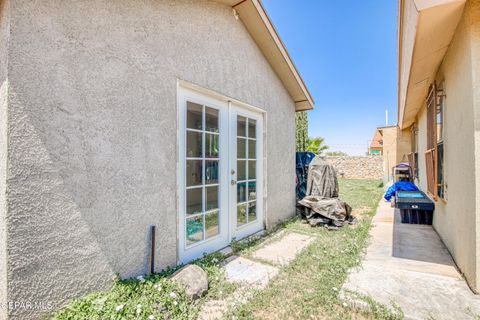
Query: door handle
<point x="233" y="182"/>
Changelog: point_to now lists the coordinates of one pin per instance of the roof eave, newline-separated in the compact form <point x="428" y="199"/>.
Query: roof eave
<point x="431" y="28"/>
<point x="258" y="24"/>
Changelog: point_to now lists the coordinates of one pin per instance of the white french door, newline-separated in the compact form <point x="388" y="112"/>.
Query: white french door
<point x="220" y="173"/>
<point x="246" y="163"/>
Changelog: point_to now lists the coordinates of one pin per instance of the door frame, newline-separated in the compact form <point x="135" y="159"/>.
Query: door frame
<point x="224" y="103"/>
<point x="187" y="253"/>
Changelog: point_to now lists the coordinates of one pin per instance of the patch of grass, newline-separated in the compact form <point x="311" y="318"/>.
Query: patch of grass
<point x="309" y="287"/>
<point x="153" y="297"/>
<point x="472" y="314"/>
<point x="374" y="309"/>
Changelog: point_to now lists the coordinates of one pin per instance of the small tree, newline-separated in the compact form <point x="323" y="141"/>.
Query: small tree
<point x="316" y="145"/>
<point x="301" y="133"/>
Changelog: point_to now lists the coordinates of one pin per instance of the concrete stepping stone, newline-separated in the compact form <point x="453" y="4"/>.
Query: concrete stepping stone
<point x="252" y="274"/>
<point x="283" y="251"/>
<point x="242" y="270"/>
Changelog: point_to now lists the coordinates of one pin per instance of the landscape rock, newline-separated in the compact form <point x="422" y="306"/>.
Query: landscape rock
<point x="193" y="279"/>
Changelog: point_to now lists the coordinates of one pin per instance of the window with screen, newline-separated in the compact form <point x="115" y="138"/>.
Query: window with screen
<point x="435" y="142"/>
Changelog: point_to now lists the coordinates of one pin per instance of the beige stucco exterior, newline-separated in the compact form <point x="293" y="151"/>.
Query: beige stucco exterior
<point x="92" y="135"/>
<point x="456" y="217"/>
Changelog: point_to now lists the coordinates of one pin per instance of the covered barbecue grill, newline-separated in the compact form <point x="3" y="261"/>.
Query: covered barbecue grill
<point x="321" y="203"/>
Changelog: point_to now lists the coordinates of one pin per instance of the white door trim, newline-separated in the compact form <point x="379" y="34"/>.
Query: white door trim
<point x="225" y="105"/>
<point x="216" y="95"/>
<point x="193" y="251"/>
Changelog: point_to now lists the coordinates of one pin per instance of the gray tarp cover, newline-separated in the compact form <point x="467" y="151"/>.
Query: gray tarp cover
<point x="322" y="179"/>
<point x="322" y="196"/>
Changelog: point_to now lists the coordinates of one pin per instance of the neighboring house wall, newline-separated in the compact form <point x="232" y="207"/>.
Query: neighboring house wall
<point x="358" y="167"/>
<point x="455" y="219"/>
<point x="404" y="145"/>
<point x="4" y="30"/>
<point x="389" y="151"/>
<point x="93" y="133"/>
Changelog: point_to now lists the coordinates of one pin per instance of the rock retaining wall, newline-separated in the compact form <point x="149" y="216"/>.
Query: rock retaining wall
<point x="358" y="167"/>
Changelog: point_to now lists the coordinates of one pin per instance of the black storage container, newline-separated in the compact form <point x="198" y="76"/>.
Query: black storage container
<point x="415" y="207"/>
<point x="415" y="216"/>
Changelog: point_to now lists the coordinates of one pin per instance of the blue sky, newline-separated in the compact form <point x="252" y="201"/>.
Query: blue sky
<point x="346" y="52"/>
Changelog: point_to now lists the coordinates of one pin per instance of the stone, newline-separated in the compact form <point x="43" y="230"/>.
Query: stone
<point x="245" y="271"/>
<point x="193" y="279"/>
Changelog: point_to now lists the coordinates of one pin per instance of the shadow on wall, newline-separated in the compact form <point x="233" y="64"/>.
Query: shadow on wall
<point x="61" y="243"/>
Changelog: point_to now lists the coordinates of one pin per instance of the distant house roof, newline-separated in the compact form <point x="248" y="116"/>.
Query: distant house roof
<point x="261" y="29"/>
<point x="377" y="141"/>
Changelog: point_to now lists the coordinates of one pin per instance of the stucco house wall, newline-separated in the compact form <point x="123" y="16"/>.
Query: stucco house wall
<point x="4" y="30"/>
<point x="93" y="133"/>
<point x="456" y="218"/>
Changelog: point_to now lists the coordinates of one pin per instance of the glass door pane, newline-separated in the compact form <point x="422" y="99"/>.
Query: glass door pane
<point x="203" y="214"/>
<point x="246" y="170"/>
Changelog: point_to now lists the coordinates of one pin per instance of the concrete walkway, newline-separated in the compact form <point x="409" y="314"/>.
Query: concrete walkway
<point x="410" y="266"/>
<point x="255" y="273"/>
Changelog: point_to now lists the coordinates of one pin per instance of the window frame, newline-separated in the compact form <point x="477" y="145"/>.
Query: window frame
<point x="431" y="152"/>
<point x="435" y="101"/>
<point x="440" y="143"/>
<point x="413" y="155"/>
